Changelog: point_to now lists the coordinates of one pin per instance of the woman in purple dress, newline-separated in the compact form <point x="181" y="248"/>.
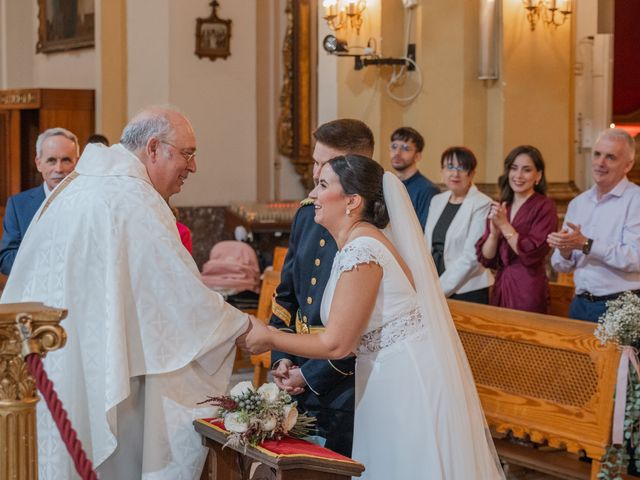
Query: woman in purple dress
<point x="514" y="242"/>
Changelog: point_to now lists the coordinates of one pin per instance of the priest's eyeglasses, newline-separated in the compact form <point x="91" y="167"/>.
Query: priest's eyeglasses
<point x="188" y="156"/>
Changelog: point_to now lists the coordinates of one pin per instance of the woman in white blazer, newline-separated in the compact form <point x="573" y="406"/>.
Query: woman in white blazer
<point x="457" y="219"/>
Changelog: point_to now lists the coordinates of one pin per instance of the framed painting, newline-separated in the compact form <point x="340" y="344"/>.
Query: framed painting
<point x="213" y="36"/>
<point x="65" y="25"/>
<point x="298" y="92"/>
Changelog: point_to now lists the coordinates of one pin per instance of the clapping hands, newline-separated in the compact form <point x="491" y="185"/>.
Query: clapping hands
<point x="498" y="217"/>
<point x="567" y="239"/>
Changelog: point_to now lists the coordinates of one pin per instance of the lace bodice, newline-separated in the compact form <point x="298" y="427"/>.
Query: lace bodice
<point x="396" y="314"/>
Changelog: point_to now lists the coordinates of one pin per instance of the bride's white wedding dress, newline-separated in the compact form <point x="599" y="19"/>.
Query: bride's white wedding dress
<point x="407" y="423"/>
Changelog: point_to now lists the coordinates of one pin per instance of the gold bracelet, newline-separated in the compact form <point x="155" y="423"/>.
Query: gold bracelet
<point x="509" y="235"/>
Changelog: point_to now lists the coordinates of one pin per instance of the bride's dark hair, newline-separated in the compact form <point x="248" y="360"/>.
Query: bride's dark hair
<point x="363" y="176"/>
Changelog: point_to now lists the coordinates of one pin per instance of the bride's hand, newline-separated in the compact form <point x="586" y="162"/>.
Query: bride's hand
<point x="258" y="338"/>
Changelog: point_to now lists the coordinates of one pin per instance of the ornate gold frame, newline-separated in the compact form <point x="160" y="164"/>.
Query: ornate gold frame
<point x="213" y="35"/>
<point x="47" y="44"/>
<point x="297" y="97"/>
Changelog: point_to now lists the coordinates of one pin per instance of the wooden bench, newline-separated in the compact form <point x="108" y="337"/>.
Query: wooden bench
<point x="541" y="378"/>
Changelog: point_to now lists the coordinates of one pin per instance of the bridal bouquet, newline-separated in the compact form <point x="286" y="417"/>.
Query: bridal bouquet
<point x="620" y="324"/>
<point x="252" y="416"/>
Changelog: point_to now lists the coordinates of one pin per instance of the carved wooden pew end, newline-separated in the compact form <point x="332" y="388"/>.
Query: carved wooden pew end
<point x="541" y="378"/>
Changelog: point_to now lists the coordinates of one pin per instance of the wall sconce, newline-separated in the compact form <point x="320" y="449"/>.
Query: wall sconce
<point x="338" y="17"/>
<point x="548" y="11"/>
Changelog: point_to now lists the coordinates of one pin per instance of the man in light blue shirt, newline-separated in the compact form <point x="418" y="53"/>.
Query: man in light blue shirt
<point x="600" y="238"/>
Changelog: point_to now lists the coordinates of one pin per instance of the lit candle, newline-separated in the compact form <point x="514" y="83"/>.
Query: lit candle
<point x="552" y="4"/>
<point x="329" y="7"/>
<point x="567" y="6"/>
<point x="351" y="8"/>
<point x="527" y="3"/>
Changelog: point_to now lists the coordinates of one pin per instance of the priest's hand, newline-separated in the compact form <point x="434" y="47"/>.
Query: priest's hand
<point x="241" y="340"/>
<point x="258" y="338"/>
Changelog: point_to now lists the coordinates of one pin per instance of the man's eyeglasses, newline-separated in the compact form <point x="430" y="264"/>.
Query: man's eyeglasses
<point x="457" y="168"/>
<point x="188" y="156"/>
<point x="405" y="147"/>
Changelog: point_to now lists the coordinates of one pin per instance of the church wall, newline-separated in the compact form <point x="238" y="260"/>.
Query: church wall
<point x="218" y="96"/>
<point x="537" y="90"/>
<point x="225" y="99"/>
<point x="529" y="103"/>
<point x="159" y="66"/>
<point x="23" y="68"/>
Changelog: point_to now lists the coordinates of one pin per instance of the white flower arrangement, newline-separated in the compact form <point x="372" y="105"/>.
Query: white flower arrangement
<point x="621" y="321"/>
<point x="252" y="416"/>
<point x="620" y="324"/>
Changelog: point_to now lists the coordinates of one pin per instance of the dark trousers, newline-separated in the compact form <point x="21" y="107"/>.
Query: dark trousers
<point x="336" y="427"/>
<point x="584" y="309"/>
<point x="474" y="296"/>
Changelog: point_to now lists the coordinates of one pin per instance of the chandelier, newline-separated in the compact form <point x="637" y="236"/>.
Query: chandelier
<point x="551" y="12"/>
<point x="338" y="17"/>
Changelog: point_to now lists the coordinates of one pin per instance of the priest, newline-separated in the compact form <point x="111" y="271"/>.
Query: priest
<point x="146" y="339"/>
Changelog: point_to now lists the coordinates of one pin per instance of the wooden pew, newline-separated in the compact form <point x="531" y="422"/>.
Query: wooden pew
<point x="262" y="362"/>
<point x="560" y="295"/>
<point x="279" y="254"/>
<point x="541" y="378"/>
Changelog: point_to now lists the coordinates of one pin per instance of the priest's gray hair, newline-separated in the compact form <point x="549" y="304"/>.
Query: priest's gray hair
<point x="143" y="127"/>
<point x="55" y="132"/>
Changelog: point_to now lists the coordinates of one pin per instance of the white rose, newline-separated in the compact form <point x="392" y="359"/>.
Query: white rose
<point x="241" y="388"/>
<point x="269" y="392"/>
<point x="290" y="417"/>
<point x="215" y="412"/>
<point x="233" y="423"/>
<point x="268" y="424"/>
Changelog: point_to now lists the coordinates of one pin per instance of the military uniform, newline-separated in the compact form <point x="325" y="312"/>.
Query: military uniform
<point x="330" y="391"/>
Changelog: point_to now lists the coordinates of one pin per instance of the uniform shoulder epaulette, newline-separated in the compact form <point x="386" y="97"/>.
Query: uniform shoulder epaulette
<point x="306" y="201"/>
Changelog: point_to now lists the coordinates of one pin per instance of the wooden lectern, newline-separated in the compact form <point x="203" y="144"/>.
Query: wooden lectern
<point x="231" y="463"/>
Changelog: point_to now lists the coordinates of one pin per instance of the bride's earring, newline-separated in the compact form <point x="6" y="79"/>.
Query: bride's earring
<point x="348" y="212"/>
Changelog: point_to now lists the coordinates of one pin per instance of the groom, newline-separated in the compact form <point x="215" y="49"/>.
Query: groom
<point x="323" y="388"/>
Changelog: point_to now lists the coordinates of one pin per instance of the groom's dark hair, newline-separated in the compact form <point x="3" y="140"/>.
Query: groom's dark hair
<point x="346" y="135"/>
<point x="363" y="176"/>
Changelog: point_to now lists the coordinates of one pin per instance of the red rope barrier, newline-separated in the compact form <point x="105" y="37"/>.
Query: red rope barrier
<point x="68" y="434"/>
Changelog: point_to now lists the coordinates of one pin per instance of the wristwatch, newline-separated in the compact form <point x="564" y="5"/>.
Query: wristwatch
<point x="586" y="248"/>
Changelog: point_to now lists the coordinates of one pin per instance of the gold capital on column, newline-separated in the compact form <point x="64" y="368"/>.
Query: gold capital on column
<point x="24" y="328"/>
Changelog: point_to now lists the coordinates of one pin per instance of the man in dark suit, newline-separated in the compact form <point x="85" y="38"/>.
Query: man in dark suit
<point x="405" y="152"/>
<point x="57" y="152"/>
<point x="323" y="388"/>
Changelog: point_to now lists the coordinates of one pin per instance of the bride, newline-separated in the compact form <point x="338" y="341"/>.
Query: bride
<point x="417" y="411"/>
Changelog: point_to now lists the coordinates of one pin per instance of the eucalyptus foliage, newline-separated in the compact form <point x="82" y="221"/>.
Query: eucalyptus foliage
<point x="621" y="324"/>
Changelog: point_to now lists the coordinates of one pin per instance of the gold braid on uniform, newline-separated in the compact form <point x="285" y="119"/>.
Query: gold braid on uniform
<point x="281" y="312"/>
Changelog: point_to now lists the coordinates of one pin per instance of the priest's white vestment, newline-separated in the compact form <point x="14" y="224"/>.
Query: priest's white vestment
<point x="147" y="339"/>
